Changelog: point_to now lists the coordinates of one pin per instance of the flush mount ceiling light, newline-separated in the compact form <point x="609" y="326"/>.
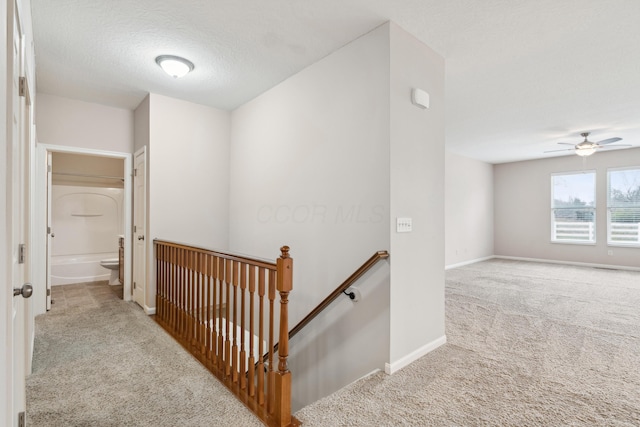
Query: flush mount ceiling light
<point x="174" y="65"/>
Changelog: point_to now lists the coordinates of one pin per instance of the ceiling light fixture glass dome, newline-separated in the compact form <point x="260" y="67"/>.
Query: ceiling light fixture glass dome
<point x="175" y="66"/>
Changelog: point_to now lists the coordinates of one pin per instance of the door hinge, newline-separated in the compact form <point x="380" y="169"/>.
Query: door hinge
<point x="48" y="168"/>
<point x="48" y="292"/>
<point x="21" y="420"/>
<point x="134" y="285"/>
<point x="135" y="228"/>
<point x="135" y="172"/>
<point x="48" y="230"/>
<point x="22" y="250"/>
<point x="22" y="89"/>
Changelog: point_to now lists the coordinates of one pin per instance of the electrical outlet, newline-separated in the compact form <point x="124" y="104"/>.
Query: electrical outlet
<point x="610" y="252"/>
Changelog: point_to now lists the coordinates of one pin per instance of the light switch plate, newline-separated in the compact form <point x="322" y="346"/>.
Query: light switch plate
<point x="403" y="225"/>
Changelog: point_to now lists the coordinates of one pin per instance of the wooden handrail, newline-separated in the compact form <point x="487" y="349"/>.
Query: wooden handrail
<point x="336" y="293"/>
<point x="209" y="300"/>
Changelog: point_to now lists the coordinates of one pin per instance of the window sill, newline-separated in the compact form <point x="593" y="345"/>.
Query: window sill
<point x="569" y="242"/>
<point x="623" y="245"/>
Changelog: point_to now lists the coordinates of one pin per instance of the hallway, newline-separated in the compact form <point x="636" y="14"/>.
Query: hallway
<point x="100" y="361"/>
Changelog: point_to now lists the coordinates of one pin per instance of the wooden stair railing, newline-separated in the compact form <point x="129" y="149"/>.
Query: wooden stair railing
<point x="201" y="300"/>
<point x="380" y="255"/>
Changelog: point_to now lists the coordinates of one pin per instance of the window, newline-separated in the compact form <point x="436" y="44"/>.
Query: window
<point x="573" y="214"/>
<point x="623" y="207"/>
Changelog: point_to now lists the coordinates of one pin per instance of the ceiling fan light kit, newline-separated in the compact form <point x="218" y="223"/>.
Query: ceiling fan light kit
<point x="587" y="148"/>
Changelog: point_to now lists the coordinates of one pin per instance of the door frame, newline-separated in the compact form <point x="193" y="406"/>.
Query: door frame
<point x="40" y="292"/>
<point x="141" y="265"/>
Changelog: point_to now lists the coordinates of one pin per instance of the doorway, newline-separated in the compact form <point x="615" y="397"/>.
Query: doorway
<point x="90" y="192"/>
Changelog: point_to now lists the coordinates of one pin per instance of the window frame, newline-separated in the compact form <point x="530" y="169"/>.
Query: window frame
<point x="609" y="207"/>
<point x="592" y="209"/>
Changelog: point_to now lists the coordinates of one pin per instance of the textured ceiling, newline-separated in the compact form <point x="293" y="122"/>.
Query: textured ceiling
<point x="520" y="75"/>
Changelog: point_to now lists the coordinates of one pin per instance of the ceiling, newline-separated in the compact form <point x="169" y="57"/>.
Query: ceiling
<point x="521" y="75"/>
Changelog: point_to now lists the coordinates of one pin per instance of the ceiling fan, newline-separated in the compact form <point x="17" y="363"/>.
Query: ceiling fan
<point x="587" y="148"/>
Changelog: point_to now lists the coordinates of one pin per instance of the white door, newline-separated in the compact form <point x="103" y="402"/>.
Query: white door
<point x="16" y="197"/>
<point x="139" y="228"/>
<point x="50" y="233"/>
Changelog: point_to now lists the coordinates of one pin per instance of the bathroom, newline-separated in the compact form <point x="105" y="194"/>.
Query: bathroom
<point x="87" y="219"/>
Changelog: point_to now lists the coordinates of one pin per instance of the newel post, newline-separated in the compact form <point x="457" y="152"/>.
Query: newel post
<point x="282" y="410"/>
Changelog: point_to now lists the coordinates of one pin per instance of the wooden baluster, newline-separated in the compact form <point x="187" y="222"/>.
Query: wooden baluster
<point x="158" y="280"/>
<point x="179" y="286"/>
<point x="243" y="350"/>
<point x="221" y="308"/>
<point x="214" y="304"/>
<point x="174" y="291"/>
<point x="252" y="357"/>
<point x="206" y="304"/>
<point x="163" y="304"/>
<point x="282" y="410"/>
<point x="201" y="306"/>
<point x="261" y="349"/>
<point x="272" y="343"/>
<point x="234" y="348"/>
<point x="193" y="303"/>
<point x="188" y="295"/>
<point x="184" y="293"/>
<point x="228" y="277"/>
<point x="170" y="287"/>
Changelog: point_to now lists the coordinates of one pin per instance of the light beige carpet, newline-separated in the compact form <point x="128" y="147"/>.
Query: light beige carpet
<point x="100" y="361"/>
<point x="528" y="345"/>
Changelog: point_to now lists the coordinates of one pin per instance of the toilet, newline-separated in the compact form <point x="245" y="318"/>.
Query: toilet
<point x="114" y="265"/>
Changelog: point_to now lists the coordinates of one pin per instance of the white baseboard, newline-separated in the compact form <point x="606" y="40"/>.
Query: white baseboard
<point x="391" y="368"/>
<point x="580" y="264"/>
<point x="149" y="310"/>
<point x="472" y="261"/>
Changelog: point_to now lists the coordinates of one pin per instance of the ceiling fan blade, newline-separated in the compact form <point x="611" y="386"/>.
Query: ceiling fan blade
<point x="609" y="141"/>
<point x="565" y="143"/>
<point x="617" y="145"/>
<point x="564" y="149"/>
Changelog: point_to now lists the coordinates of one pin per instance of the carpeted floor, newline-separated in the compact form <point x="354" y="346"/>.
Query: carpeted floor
<point x="100" y="361"/>
<point x="528" y="345"/>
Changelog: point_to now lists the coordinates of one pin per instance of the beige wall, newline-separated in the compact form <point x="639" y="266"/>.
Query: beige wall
<point x="468" y="210"/>
<point x="325" y="162"/>
<point x="523" y="209"/>
<point x="416" y="149"/>
<point x="62" y="121"/>
<point x="188" y="172"/>
<point x="310" y="169"/>
<point x="141" y="125"/>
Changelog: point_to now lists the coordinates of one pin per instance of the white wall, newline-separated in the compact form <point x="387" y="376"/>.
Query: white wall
<point x="523" y="209"/>
<point x="141" y="125"/>
<point x="468" y="209"/>
<point x="188" y="172"/>
<point x="417" y="191"/>
<point x="188" y="176"/>
<point x="63" y="121"/>
<point x="310" y="169"/>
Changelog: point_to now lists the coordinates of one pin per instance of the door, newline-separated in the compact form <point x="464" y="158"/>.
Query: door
<point x="16" y="198"/>
<point x="139" y="228"/>
<point x="50" y="233"/>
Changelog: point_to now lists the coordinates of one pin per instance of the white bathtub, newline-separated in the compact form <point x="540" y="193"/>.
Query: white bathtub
<point x="67" y="269"/>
